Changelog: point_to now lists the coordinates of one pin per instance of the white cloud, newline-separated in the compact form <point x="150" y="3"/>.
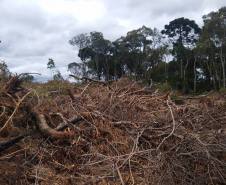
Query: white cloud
<point x="82" y="10"/>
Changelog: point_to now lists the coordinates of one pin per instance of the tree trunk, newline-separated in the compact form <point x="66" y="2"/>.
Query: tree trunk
<point x="185" y="76"/>
<point x="223" y="70"/>
<point x="135" y="75"/>
<point x="195" y="75"/>
<point x="181" y="68"/>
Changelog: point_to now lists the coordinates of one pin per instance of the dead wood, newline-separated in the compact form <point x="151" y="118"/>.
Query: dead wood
<point x="93" y="80"/>
<point x="9" y="143"/>
<point x="123" y="135"/>
<point x="48" y="131"/>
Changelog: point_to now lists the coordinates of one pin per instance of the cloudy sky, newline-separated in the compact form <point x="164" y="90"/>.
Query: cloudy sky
<point x="32" y="31"/>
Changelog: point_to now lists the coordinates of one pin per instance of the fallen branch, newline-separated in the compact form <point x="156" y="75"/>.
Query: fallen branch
<point x="46" y="130"/>
<point x="17" y="105"/>
<point x="11" y="142"/>
<point x="93" y="80"/>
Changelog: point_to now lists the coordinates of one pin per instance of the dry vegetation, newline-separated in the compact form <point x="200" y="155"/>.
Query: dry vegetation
<point x="110" y="134"/>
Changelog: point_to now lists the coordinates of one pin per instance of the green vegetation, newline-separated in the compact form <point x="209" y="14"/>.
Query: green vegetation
<point x="222" y="90"/>
<point x="189" y="58"/>
<point x="164" y="88"/>
<point x="43" y="89"/>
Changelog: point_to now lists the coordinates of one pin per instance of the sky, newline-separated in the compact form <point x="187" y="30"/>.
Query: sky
<point x="32" y="31"/>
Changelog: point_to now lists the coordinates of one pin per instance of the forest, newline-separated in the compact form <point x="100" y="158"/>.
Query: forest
<point x="186" y="57"/>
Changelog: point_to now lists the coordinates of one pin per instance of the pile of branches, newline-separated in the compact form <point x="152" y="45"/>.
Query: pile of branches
<point x="124" y="134"/>
<point x="12" y="105"/>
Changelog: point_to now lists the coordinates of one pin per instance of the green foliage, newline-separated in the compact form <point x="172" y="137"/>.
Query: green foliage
<point x="57" y="76"/>
<point x="164" y="88"/>
<point x="50" y="64"/>
<point x="75" y="68"/>
<point x="197" y="55"/>
<point x="42" y="89"/>
<point x="222" y="90"/>
<point x="182" y="30"/>
<point x="4" y="72"/>
<point x="27" y="78"/>
<point x="175" y="95"/>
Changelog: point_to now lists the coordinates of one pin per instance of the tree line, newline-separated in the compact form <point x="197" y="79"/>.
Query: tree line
<point x="185" y="56"/>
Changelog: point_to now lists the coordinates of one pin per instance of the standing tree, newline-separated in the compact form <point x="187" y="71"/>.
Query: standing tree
<point x="28" y="78"/>
<point x="96" y="47"/>
<point x="215" y="24"/>
<point x="75" y="69"/>
<point x="51" y="66"/>
<point x="81" y="41"/>
<point x="136" y="43"/>
<point x="4" y="71"/>
<point x="57" y="76"/>
<point x="183" y="35"/>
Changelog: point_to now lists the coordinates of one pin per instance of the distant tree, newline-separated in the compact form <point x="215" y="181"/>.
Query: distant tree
<point x="57" y="76"/>
<point x="82" y="41"/>
<point x="96" y="39"/>
<point x="135" y="44"/>
<point x="75" y="68"/>
<point x="4" y="71"/>
<point x="182" y="33"/>
<point x="51" y="66"/>
<point x="28" y="78"/>
<point x="118" y="56"/>
<point x="215" y="24"/>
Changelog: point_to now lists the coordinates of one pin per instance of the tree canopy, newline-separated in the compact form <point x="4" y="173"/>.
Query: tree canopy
<point x="189" y="58"/>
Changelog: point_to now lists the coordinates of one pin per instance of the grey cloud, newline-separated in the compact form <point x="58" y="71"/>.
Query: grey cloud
<point x="30" y="35"/>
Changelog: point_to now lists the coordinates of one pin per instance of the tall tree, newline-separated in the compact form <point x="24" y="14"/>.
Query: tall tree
<point x="182" y="33"/>
<point x="215" y="24"/>
<point x="81" y="41"/>
<point x="51" y="66"/>
<point x="136" y="42"/>
<point x="4" y="71"/>
<point x="75" y="69"/>
<point x="155" y="54"/>
<point x="101" y="52"/>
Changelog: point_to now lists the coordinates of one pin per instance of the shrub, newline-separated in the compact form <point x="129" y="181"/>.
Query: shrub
<point x="222" y="90"/>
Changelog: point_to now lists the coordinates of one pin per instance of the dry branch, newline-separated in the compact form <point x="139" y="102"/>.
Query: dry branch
<point x="123" y="137"/>
<point x="46" y="130"/>
<point x="9" y="143"/>
<point x="93" y="80"/>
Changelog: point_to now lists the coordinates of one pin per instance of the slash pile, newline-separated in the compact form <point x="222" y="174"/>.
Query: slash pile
<point x="121" y="134"/>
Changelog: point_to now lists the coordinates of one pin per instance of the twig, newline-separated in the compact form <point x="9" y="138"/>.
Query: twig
<point x="129" y="89"/>
<point x="174" y="125"/>
<point x="86" y="87"/>
<point x="17" y="105"/>
<point x="14" y="152"/>
<point x="120" y="176"/>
